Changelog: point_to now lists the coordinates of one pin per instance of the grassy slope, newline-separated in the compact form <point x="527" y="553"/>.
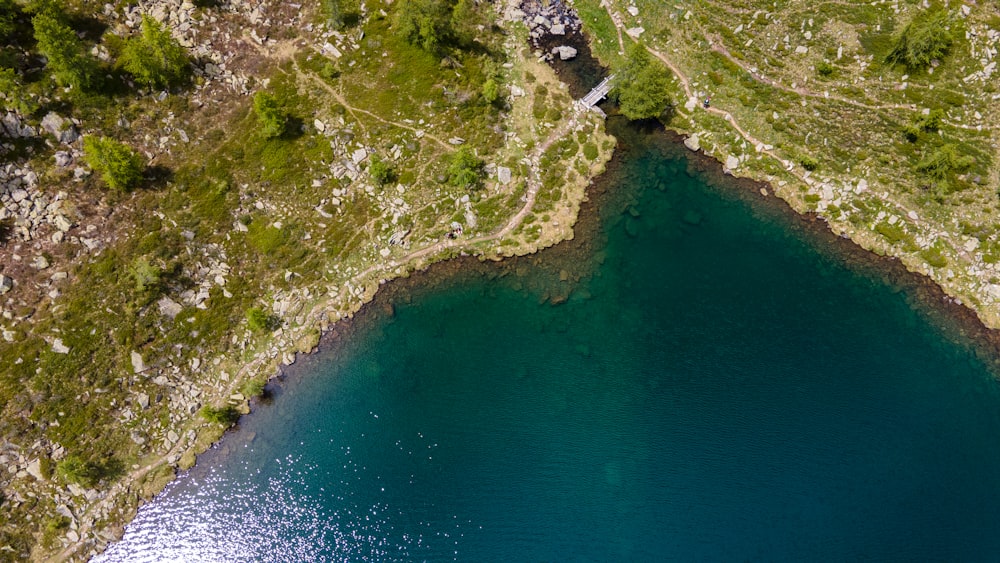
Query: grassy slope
<point x="848" y="119"/>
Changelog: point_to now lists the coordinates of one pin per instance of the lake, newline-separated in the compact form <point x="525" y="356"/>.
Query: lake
<point x="696" y="378"/>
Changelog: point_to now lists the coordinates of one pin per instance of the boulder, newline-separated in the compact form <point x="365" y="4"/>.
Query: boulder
<point x="69" y="135"/>
<point x="6" y="284"/>
<point x="62" y="223"/>
<point x="52" y="123"/>
<point x="35" y="469"/>
<point x="40" y="262"/>
<point x="503" y="175"/>
<point x="565" y="52"/>
<point x="693" y="142"/>
<point x="58" y="347"/>
<point x="138" y="366"/>
<point x="169" y="307"/>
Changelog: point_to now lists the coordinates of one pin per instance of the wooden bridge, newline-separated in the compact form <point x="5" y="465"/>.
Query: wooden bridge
<point x="597" y="94"/>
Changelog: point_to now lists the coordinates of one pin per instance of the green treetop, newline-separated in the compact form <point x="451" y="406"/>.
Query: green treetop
<point x="65" y="52"/>
<point x="154" y="57"/>
<point x="926" y="38"/>
<point x="272" y="118"/>
<point x="465" y="169"/>
<point x="119" y="166"/>
<point x="641" y="85"/>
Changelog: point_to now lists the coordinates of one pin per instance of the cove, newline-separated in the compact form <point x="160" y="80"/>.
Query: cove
<point x="695" y="378"/>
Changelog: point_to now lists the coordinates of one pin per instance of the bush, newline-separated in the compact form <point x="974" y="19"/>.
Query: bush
<point x="934" y="257"/>
<point x="943" y="161"/>
<point x="226" y="416"/>
<point x="380" y="171"/>
<point x="119" y="166"/>
<point x="272" y="118"/>
<point x="824" y="69"/>
<point x="333" y="13"/>
<point x="13" y="96"/>
<point x="465" y="169"/>
<point x="154" y="57"/>
<point x="808" y="162"/>
<point x="590" y="151"/>
<point x="260" y="321"/>
<point x="9" y="12"/>
<point x="491" y="91"/>
<point x="72" y="469"/>
<point x="66" y="55"/>
<point x="425" y="23"/>
<point x="253" y="387"/>
<point x="930" y="123"/>
<point x="926" y="38"/>
<point x="147" y="276"/>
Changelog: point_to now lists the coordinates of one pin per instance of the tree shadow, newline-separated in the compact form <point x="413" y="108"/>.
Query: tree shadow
<point x="6" y="230"/>
<point x="294" y="129"/>
<point x="157" y="177"/>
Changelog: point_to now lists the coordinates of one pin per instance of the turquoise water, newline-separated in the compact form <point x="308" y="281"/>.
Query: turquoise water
<point x="708" y="386"/>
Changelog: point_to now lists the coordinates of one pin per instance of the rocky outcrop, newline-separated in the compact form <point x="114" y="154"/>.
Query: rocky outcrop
<point x="28" y="209"/>
<point x="13" y="126"/>
<point x="546" y="19"/>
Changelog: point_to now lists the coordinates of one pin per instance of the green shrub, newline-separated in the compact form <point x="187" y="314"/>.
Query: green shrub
<point x="590" y="151"/>
<point x="72" y="469"/>
<point x="146" y="276"/>
<point x="931" y="122"/>
<point x="226" y="416"/>
<point x="258" y="320"/>
<point x="253" y="387"/>
<point x="380" y="171"/>
<point x="9" y="12"/>
<point x="154" y="57"/>
<point x="465" y="169"/>
<point x="944" y="161"/>
<point x="266" y="238"/>
<point x="65" y="52"/>
<point x="934" y="257"/>
<point x="46" y="467"/>
<point x="824" y="69"/>
<point x="894" y="233"/>
<point x="13" y="96"/>
<point x="808" y="162"/>
<point x="272" y="118"/>
<point x="491" y="91"/>
<point x="424" y="23"/>
<point x="333" y="13"/>
<point x="329" y="71"/>
<point x="926" y="38"/>
<point x="119" y="166"/>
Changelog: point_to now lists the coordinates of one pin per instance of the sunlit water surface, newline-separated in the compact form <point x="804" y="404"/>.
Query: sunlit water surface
<point x="714" y="388"/>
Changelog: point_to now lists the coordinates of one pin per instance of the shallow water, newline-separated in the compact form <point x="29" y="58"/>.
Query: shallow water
<point x="714" y="387"/>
